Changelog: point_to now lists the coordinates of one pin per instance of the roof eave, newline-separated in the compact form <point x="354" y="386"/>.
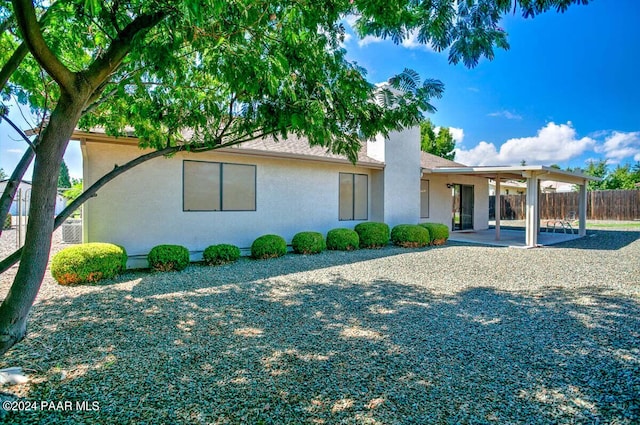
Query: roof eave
<point x="510" y="172"/>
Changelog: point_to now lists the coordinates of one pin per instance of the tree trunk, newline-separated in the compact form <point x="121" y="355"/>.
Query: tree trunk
<point x="35" y="255"/>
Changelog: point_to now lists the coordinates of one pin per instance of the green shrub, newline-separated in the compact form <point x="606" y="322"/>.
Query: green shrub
<point x="342" y="240"/>
<point x="88" y="263"/>
<point x="439" y="232"/>
<point x="216" y="255"/>
<point x="7" y="222"/>
<point x="410" y="236"/>
<point x="165" y="258"/>
<point x="372" y="234"/>
<point x="308" y="243"/>
<point x="268" y="246"/>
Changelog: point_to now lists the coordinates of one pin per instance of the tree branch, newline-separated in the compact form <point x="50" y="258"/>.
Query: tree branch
<point x="20" y="132"/>
<point x="25" y="16"/>
<point x="21" y="51"/>
<point x="11" y="188"/>
<point x="102" y="67"/>
<point x="89" y="193"/>
<point x="12" y="64"/>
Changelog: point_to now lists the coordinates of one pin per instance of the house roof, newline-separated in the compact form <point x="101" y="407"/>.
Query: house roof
<point x="430" y="161"/>
<point x="298" y="147"/>
<point x="294" y="147"/>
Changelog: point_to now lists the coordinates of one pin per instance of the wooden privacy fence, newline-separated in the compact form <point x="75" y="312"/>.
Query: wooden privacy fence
<point x="601" y="205"/>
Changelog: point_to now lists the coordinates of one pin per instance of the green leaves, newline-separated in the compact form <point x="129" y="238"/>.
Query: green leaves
<point x="216" y="73"/>
<point x="442" y="144"/>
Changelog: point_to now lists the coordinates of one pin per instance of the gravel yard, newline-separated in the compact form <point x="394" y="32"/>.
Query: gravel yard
<point x="452" y="334"/>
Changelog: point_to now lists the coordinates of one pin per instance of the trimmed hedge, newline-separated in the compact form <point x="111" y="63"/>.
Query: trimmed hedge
<point x="439" y="232"/>
<point x="165" y="258"/>
<point x="410" y="236"/>
<point x="342" y="239"/>
<point x="268" y="246"/>
<point x="7" y="222"/>
<point x="372" y="234"/>
<point x="89" y="262"/>
<point x="308" y="243"/>
<point x="216" y="255"/>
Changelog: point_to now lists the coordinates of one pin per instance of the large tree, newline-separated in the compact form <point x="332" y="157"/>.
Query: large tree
<point x="203" y="74"/>
<point x="441" y="144"/>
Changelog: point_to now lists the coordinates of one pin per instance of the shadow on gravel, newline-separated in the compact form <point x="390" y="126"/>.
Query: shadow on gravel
<point x="331" y="351"/>
<point x="602" y="240"/>
<point x="595" y="239"/>
<point x="248" y="269"/>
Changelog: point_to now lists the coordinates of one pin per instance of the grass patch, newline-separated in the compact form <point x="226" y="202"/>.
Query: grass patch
<point x="625" y="225"/>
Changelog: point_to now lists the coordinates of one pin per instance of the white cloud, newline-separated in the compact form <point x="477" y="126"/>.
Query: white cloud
<point x="412" y="42"/>
<point x="20" y="151"/>
<point x="351" y="19"/>
<point x="369" y="39"/>
<point x="620" y="145"/>
<point x="457" y="133"/>
<point x="553" y="143"/>
<point x="505" y="114"/>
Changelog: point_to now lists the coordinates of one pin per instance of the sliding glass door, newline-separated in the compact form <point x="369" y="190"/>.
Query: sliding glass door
<point x="462" y="214"/>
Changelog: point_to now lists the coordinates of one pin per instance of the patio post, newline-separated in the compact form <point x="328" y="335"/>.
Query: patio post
<point x="531" y="223"/>
<point x="582" y="212"/>
<point x="498" y="206"/>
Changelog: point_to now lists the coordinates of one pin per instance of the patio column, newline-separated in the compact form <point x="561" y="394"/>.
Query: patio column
<point x="531" y="221"/>
<point x="582" y="213"/>
<point x="498" y="206"/>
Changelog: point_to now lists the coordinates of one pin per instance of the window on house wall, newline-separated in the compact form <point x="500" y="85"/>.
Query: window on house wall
<point x="217" y="186"/>
<point x="354" y="196"/>
<point x="424" y="198"/>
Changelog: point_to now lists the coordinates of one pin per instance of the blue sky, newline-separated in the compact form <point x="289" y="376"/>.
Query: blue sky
<point x="567" y="91"/>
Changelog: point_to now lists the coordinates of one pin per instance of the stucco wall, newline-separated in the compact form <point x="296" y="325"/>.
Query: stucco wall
<point x="402" y="177"/>
<point x="441" y="199"/>
<point x="143" y="207"/>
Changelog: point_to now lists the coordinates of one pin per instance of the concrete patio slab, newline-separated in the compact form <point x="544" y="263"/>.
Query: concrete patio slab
<point x="509" y="237"/>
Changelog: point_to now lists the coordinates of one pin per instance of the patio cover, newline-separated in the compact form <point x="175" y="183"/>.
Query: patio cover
<point x="532" y="174"/>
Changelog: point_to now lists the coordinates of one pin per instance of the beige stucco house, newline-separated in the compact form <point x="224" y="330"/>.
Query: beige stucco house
<point x="234" y="195"/>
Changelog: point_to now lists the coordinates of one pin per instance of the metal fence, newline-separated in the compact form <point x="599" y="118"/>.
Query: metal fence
<point x="71" y="228"/>
<point x="601" y="205"/>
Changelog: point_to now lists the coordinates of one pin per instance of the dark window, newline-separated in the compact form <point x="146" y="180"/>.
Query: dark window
<point x="354" y="197"/>
<point x="216" y="186"/>
<point x="424" y="198"/>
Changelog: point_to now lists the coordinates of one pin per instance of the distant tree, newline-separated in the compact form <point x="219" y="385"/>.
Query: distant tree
<point x="3" y="175"/>
<point x="523" y="163"/>
<point x="427" y="136"/>
<point x="441" y="145"/>
<point x="64" y="180"/>
<point x="74" y="191"/>
<point x="635" y="175"/>
<point x="597" y="169"/>
<point x="621" y="178"/>
<point x="556" y="166"/>
<point x="445" y="144"/>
